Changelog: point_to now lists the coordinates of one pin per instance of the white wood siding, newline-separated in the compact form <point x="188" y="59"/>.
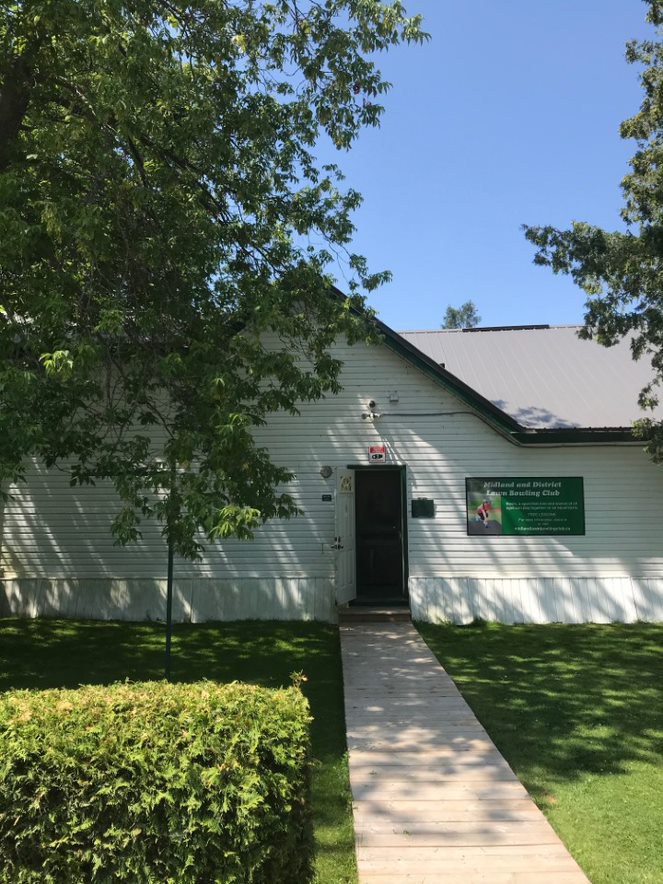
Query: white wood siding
<point x="52" y="531"/>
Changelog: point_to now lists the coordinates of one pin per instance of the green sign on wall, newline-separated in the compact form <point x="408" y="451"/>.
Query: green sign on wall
<point x="525" y="506"/>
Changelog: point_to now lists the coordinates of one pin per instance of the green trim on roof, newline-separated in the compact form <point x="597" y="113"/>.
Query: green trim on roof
<point x="575" y="436"/>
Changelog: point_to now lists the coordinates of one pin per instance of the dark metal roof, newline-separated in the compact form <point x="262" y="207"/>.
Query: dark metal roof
<point x="543" y="377"/>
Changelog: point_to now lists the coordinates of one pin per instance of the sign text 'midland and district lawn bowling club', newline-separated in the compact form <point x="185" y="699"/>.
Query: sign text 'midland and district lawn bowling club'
<point x="547" y="506"/>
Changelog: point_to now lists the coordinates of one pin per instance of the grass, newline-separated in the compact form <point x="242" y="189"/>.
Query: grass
<point x="578" y="713"/>
<point x="51" y="653"/>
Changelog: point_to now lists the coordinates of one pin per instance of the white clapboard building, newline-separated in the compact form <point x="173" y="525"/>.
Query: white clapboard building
<point x="484" y="473"/>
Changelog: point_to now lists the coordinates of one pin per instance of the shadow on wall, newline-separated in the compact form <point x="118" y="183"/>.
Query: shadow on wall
<point x="462" y="600"/>
<point x="195" y="600"/>
<point x="53" y="530"/>
<point x="60" y="539"/>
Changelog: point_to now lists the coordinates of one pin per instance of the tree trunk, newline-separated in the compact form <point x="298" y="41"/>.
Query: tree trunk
<point x="17" y="80"/>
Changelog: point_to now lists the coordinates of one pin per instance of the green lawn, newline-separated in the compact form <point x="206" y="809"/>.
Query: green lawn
<point x="49" y="653"/>
<point x="578" y="713"/>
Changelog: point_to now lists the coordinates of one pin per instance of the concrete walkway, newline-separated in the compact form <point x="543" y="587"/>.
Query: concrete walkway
<point x="434" y="801"/>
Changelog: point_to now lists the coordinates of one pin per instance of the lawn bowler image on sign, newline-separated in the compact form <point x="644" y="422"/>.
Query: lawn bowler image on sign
<point x="484" y="509"/>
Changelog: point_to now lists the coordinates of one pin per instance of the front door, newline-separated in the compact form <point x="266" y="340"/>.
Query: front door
<point x="379" y="536"/>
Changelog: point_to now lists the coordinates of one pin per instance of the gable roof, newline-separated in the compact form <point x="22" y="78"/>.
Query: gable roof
<point x="426" y="350"/>
<point x="545" y="378"/>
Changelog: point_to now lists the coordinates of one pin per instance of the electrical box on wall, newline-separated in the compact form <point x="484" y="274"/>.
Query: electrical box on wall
<point x="423" y="508"/>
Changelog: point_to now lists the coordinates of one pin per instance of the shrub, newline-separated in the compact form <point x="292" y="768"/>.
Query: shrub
<point x="155" y="782"/>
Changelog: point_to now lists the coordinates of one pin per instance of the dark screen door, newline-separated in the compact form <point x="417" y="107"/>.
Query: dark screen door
<point x="379" y="534"/>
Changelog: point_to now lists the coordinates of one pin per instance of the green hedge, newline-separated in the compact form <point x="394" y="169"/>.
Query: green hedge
<point x="155" y="782"/>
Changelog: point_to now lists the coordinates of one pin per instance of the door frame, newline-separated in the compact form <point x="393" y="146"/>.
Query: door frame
<point x="405" y="547"/>
<point x="345" y="538"/>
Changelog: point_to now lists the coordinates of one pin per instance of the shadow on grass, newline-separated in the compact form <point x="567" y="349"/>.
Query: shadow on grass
<point x="51" y="653"/>
<point x="578" y="713"/>
<point x="564" y="700"/>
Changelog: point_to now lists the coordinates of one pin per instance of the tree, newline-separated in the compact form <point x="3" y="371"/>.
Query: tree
<point x="621" y="272"/>
<point x="465" y="316"/>
<point x="159" y="195"/>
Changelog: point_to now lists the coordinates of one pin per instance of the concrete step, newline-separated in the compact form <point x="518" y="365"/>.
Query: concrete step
<point x="367" y="614"/>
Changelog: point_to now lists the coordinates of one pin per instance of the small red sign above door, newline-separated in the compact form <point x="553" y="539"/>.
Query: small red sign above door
<point x="377" y="454"/>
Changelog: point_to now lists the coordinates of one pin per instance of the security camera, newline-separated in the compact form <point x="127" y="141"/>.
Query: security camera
<point x="372" y="403"/>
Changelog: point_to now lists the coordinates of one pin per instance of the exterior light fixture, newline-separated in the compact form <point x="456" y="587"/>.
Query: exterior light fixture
<point x="371" y="414"/>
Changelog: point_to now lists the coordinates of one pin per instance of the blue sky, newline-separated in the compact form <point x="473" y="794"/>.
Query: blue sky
<point x="509" y="115"/>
